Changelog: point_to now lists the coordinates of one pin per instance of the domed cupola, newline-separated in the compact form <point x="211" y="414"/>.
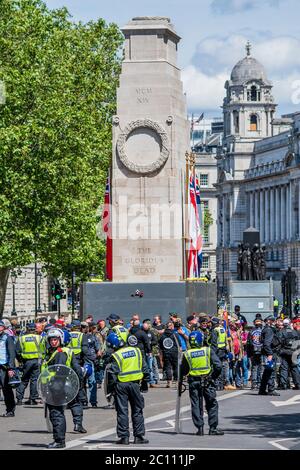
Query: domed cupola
<point x="248" y="69"/>
<point x="248" y="106"/>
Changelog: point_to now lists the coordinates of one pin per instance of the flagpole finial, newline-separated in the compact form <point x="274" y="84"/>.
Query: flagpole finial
<point x="248" y="48"/>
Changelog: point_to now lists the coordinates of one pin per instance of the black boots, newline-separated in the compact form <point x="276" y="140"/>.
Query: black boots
<point x="79" y="428"/>
<point x="124" y="441"/>
<point x="215" y="432"/>
<point x="140" y="440"/>
<point x="200" y="432"/>
<point x="57" y="445"/>
<point x="31" y="402"/>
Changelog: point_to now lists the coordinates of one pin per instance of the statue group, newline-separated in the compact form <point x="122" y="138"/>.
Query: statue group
<point x="251" y="265"/>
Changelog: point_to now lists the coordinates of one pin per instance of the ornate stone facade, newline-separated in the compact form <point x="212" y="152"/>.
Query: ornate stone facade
<point x="258" y="175"/>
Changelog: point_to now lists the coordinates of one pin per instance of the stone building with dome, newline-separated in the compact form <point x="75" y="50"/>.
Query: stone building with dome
<point x="258" y="174"/>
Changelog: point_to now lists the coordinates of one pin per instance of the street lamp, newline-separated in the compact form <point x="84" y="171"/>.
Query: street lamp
<point x="39" y="281"/>
<point x="13" y="276"/>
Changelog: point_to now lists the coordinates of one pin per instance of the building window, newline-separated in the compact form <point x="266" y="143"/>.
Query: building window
<point x="236" y="122"/>
<point x="253" y="94"/>
<point x="205" y="262"/>
<point x="205" y="234"/>
<point x="203" y="180"/>
<point x="253" y="122"/>
<point x="205" y="228"/>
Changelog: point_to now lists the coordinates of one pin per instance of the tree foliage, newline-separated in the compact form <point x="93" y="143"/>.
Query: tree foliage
<point x="55" y="134"/>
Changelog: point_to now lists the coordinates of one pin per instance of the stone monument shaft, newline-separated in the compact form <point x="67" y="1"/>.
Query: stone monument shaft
<point x="150" y="139"/>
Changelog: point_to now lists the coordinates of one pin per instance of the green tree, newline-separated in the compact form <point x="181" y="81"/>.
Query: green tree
<point x="55" y="136"/>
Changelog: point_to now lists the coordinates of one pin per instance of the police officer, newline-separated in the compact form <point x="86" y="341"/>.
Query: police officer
<point x="79" y="342"/>
<point x="121" y="331"/>
<point x="94" y="349"/>
<point x="57" y="354"/>
<point x="203" y="367"/>
<point x="218" y="341"/>
<point x="127" y="370"/>
<point x="289" y="343"/>
<point x="29" y="353"/>
<point x="270" y="345"/>
<point x="7" y="370"/>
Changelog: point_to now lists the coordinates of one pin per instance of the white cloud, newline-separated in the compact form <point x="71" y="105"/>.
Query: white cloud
<point x="215" y="57"/>
<point x="224" y="7"/>
<point x="277" y="54"/>
<point x="204" y="92"/>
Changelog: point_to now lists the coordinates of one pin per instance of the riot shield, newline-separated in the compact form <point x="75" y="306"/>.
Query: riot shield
<point x="108" y="392"/>
<point x="58" y="385"/>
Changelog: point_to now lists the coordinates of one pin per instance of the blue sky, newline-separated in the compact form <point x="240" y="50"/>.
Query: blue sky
<point x="214" y="33"/>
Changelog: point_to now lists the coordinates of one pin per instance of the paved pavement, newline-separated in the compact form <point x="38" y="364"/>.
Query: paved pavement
<point x="249" y="422"/>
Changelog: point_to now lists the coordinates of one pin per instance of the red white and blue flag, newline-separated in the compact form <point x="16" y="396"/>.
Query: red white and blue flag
<point x="200" y="243"/>
<point x="106" y="223"/>
<point x="195" y="236"/>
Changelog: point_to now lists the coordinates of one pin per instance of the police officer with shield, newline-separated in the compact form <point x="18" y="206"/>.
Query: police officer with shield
<point x="54" y="394"/>
<point x="128" y="375"/>
<point x="28" y="353"/>
<point x="203" y="367"/>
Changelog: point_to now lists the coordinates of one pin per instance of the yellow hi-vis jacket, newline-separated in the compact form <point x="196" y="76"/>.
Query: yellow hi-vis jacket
<point x="130" y="362"/>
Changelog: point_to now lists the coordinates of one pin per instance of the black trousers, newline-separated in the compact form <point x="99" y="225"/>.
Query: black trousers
<point x="197" y="394"/>
<point x="30" y="374"/>
<point x="268" y="378"/>
<point x="8" y="393"/>
<point x="171" y="365"/>
<point x="222" y="379"/>
<point x="129" y="392"/>
<point x="256" y="370"/>
<point x="286" y="366"/>
<point x="58" y="419"/>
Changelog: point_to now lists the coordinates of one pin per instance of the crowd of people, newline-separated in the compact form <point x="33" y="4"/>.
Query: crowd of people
<point x="262" y="356"/>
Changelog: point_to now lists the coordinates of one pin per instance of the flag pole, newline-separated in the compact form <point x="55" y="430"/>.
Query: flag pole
<point x="186" y="234"/>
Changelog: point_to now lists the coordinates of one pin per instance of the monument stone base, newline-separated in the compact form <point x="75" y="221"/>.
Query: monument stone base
<point x="253" y="297"/>
<point x="103" y="298"/>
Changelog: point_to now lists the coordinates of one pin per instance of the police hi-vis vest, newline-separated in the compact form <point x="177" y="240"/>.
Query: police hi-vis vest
<point x="121" y="331"/>
<point x="30" y="346"/>
<point x="130" y="363"/>
<point x="3" y="349"/>
<point x="221" y="337"/>
<point x="199" y="361"/>
<point x="76" y="341"/>
<point x="67" y="351"/>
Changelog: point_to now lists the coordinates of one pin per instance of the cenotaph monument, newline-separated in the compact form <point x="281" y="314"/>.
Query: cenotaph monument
<point x="150" y="139"/>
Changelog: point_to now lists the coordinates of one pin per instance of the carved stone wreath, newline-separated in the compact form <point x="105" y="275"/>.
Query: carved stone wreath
<point x="164" y="153"/>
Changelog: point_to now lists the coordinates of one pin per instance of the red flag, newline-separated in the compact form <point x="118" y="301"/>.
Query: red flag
<point x="106" y="222"/>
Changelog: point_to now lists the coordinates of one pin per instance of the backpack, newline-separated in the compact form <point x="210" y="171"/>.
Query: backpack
<point x="255" y="338"/>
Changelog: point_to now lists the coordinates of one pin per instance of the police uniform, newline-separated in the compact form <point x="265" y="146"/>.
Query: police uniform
<point x="202" y="366"/>
<point x="7" y="362"/>
<point x="80" y="347"/>
<point x="270" y="346"/>
<point x="64" y="356"/>
<point x="29" y="352"/>
<point x="127" y="370"/>
<point x="218" y="342"/>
